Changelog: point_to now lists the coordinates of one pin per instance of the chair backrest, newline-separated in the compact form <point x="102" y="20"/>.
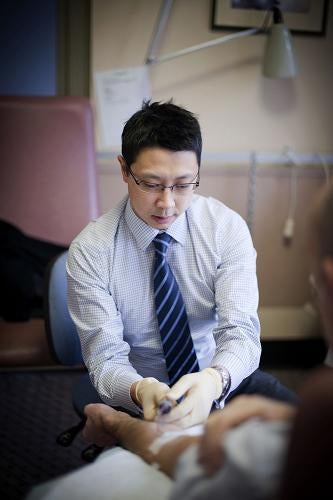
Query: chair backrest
<point x="48" y="166"/>
<point x="62" y="335"/>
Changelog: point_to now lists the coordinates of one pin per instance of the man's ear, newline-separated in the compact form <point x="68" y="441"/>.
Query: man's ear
<point x="123" y="167"/>
<point x="327" y="268"/>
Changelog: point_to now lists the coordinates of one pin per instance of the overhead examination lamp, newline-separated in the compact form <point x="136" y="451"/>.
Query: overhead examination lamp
<point x="278" y="61"/>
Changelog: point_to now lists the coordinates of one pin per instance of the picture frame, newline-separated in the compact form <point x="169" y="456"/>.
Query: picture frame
<point x="307" y="17"/>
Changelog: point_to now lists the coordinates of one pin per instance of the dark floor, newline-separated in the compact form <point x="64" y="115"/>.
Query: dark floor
<point x="36" y="406"/>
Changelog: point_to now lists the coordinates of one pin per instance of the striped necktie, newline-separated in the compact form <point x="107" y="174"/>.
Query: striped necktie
<point x="179" y="352"/>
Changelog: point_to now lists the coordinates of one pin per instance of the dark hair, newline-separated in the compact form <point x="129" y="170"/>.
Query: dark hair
<point x="162" y="125"/>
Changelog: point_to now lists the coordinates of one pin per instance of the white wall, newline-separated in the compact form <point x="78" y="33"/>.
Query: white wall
<point x="238" y="108"/>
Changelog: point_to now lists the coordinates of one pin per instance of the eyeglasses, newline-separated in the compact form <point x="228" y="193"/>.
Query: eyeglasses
<point x="178" y="189"/>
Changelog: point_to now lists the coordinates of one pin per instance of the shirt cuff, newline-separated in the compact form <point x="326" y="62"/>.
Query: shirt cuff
<point x="122" y="382"/>
<point x="238" y="372"/>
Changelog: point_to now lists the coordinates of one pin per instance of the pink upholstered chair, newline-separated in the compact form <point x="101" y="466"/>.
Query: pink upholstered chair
<point x="47" y="189"/>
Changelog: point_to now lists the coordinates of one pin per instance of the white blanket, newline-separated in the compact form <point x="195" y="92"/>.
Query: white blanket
<point x="117" y="474"/>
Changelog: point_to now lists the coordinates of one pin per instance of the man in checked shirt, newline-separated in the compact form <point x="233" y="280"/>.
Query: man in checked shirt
<point x="211" y="255"/>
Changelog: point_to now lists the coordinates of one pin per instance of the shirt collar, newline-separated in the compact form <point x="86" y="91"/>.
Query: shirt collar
<point x="145" y="234"/>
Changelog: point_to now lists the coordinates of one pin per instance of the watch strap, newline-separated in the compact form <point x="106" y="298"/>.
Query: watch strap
<point x="226" y="383"/>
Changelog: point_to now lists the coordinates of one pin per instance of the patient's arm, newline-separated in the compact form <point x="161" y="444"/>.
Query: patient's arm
<point x="107" y="427"/>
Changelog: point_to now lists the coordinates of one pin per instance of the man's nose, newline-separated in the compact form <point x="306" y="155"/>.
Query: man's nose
<point x="166" y="198"/>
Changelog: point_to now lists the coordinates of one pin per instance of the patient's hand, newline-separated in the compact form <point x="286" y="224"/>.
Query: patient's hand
<point x="106" y="426"/>
<point x="235" y="413"/>
<point x="102" y="424"/>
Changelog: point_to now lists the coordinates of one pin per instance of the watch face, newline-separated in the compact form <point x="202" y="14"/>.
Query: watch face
<point x="219" y="405"/>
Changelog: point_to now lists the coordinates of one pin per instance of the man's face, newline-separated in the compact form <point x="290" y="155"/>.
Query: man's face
<point x="160" y="166"/>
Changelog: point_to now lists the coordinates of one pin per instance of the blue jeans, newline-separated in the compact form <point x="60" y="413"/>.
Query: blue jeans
<point x="265" y="384"/>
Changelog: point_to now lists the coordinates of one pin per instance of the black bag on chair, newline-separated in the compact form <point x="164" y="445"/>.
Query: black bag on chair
<point x="23" y="261"/>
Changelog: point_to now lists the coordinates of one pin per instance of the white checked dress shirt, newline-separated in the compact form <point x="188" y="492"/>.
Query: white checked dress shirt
<point x="111" y="300"/>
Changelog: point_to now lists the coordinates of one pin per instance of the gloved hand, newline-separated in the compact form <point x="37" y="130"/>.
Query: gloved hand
<point x="199" y="391"/>
<point x="148" y="392"/>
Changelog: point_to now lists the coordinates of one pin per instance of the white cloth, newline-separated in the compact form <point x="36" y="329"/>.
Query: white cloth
<point x="116" y="475"/>
<point x="111" y="301"/>
<point x="254" y="456"/>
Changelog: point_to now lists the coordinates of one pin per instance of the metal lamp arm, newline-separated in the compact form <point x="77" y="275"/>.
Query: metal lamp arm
<point x="204" y="45"/>
<point x="162" y="22"/>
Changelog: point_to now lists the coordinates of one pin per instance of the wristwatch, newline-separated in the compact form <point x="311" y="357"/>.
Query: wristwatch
<point x="226" y="383"/>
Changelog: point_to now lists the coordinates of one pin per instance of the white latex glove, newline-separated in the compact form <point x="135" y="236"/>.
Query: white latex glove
<point x="199" y="391"/>
<point x="149" y="392"/>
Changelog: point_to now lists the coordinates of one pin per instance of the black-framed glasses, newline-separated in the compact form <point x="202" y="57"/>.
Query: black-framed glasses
<point x="179" y="189"/>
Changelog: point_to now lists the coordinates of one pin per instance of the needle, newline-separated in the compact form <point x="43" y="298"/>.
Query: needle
<point x="164" y="407"/>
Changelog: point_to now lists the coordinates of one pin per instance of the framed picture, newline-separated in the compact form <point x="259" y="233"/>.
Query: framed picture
<point x="301" y="16"/>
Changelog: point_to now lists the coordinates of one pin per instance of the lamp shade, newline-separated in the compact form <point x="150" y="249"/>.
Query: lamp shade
<point x="279" y="61"/>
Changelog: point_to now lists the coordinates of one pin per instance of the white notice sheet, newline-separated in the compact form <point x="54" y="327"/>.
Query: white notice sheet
<point x="119" y="94"/>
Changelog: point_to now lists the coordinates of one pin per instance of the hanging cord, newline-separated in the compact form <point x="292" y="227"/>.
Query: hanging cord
<point x="324" y="164"/>
<point x="289" y="226"/>
<point x="251" y="198"/>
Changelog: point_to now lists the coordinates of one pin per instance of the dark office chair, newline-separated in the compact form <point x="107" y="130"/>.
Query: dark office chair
<point x="65" y="346"/>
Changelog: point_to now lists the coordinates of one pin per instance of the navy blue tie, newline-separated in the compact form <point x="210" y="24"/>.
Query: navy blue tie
<point x="179" y="352"/>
